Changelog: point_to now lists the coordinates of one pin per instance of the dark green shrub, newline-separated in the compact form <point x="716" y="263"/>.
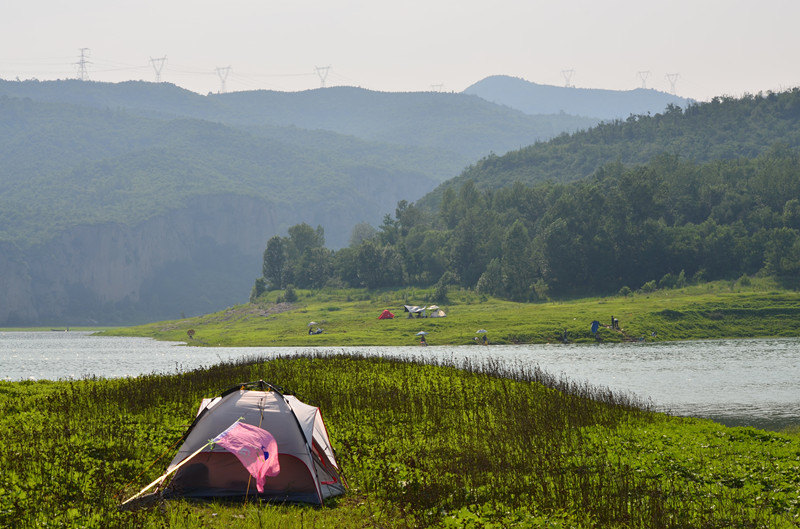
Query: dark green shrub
<point x="650" y="286"/>
<point x="290" y="295"/>
<point x="258" y="288"/>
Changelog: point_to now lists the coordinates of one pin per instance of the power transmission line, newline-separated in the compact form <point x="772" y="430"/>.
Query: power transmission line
<point x="158" y="65"/>
<point x="83" y="74"/>
<point x="222" y="73"/>
<point x="322" y="72"/>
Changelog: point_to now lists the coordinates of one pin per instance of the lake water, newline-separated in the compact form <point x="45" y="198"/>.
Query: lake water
<point x="737" y="382"/>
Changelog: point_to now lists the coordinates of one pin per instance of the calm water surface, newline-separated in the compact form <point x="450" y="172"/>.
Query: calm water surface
<point x="738" y="382"/>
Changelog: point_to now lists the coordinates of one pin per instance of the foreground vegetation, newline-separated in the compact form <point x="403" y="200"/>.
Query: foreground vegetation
<point x="723" y="309"/>
<point x="421" y="445"/>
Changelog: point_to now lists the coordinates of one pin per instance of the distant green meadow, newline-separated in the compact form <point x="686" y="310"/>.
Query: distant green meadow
<point x="722" y="309"/>
<point x="420" y="445"/>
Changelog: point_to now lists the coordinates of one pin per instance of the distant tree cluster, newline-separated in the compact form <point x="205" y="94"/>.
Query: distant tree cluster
<point x="648" y="226"/>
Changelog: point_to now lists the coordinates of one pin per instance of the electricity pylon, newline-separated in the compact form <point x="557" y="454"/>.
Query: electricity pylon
<point x="222" y="73"/>
<point x="83" y="73"/>
<point x="643" y="76"/>
<point x="672" y="78"/>
<point x="158" y="64"/>
<point x="322" y="72"/>
<point x="568" y="78"/>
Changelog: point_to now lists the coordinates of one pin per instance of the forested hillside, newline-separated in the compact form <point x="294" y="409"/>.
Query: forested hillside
<point x="118" y="201"/>
<point x="533" y="98"/>
<point x="67" y="166"/>
<point x="662" y="224"/>
<point x="725" y="128"/>
<point x="115" y="198"/>
<point x="715" y="196"/>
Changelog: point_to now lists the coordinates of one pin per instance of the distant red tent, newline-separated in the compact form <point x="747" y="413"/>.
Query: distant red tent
<point x="385" y="315"/>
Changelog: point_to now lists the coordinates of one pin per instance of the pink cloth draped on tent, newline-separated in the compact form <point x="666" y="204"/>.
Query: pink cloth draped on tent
<point x="255" y="447"/>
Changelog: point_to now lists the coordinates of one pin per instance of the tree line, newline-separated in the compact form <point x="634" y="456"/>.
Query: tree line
<point x="659" y="224"/>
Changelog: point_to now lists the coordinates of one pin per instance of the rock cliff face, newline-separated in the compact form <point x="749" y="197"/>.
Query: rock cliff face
<point x="191" y="260"/>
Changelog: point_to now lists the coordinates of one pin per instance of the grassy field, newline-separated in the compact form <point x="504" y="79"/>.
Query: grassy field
<point x="756" y="308"/>
<point x="55" y="328"/>
<point x="420" y="445"/>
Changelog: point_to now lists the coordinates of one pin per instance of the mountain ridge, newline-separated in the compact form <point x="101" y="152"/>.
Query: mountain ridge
<point x="603" y="104"/>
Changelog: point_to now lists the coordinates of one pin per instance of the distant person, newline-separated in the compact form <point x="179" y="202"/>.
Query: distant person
<point x="485" y="340"/>
<point x="422" y="340"/>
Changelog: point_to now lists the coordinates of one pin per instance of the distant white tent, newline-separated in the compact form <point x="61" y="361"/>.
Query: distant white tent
<point x="435" y="312"/>
<point x="308" y="469"/>
<point x="414" y="309"/>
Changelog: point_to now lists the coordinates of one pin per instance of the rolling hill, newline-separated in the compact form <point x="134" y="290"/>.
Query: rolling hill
<point x="457" y="124"/>
<point x="722" y="129"/>
<point x="533" y="98"/>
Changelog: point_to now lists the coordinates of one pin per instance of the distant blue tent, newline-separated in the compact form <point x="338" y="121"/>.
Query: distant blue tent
<point x="595" y="326"/>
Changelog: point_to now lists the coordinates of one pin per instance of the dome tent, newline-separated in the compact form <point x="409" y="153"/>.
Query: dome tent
<point x="308" y="469"/>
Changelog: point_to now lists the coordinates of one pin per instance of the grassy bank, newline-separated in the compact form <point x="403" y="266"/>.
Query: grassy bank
<point x="420" y="445"/>
<point x="350" y="317"/>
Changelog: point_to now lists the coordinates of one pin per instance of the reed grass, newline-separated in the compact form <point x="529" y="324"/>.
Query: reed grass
<point x="421" y="444"/>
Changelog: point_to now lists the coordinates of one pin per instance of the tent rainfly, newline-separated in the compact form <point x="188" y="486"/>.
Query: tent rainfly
<point x="385" y="315"/>
<point x="414" y="309"/>
<point x="308" y="469"/>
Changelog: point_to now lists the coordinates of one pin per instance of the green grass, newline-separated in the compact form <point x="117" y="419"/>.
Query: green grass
<point x="420" y="445"/>
<point x="350" y="317"/>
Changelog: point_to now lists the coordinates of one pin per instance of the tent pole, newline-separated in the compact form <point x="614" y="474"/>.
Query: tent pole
<point x="164" y="476"/>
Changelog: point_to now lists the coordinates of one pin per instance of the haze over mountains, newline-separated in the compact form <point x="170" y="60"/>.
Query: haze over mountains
<point x="533" y="98"/>
<point x="128" y="202"/>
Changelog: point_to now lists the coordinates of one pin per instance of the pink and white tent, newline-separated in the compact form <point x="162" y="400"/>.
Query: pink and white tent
<point x="306" y="466"/>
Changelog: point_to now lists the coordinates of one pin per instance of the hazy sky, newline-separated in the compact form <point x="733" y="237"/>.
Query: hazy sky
<point x="717" y="47"/>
